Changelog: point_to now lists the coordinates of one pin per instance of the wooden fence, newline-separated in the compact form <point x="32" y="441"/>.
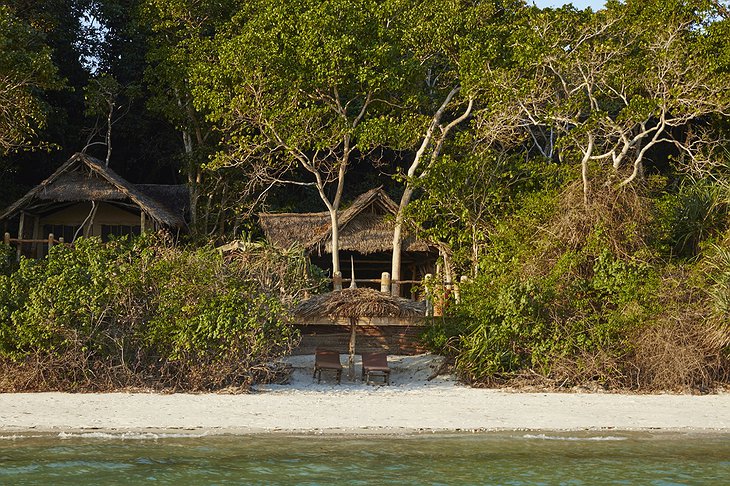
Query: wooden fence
<point x="36" y="246"/>
<point x="436" y="294"/>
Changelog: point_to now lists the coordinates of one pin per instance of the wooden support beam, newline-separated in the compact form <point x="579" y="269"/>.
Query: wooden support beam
<point x="20" y="234"/>
<point x="337" y="281"/>
<point x="427" y="283"/>
<point x="385" y="283"/>
<point x="351" y="349"/>
<point x="36" y="235"/>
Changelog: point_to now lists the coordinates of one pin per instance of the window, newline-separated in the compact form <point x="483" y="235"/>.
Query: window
<point x="60" y="231"/>
<point x="108" y="230"/>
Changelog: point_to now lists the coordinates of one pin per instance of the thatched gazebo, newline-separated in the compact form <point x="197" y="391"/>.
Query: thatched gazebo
<point x="356" y="303"/>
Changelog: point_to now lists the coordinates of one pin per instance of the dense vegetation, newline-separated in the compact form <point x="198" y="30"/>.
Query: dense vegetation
<point x="575" y="164"/>
<point x="144" y="313"/>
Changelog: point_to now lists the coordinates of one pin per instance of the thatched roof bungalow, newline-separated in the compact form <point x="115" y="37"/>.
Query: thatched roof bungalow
<point x="84" y="197"/>
<point x="366" y="235"/>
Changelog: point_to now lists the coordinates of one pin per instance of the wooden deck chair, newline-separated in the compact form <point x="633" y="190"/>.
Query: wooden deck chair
<point x="324" y="359"/>
<point x="375" y="364"/>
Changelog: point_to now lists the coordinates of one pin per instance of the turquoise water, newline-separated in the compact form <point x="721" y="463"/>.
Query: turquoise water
<point x="504" y="458"/>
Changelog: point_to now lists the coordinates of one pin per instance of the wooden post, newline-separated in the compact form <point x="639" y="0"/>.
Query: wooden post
<point x="351" y="349"/>
<point x="337" y="281"/>
<point x="438" y="296"/>
<point x="457" y="288"/>
<point x="50" y="242"/>
<point x="36" y="236"/>
<point x="385" y="282"/>
<point x="353" y="284"/>
<point x="413" y="277"/>
<point x="429" y="296"/>
<point x="6" y="238"/>
<point x="142" y="222"/>
<point x="20" y="234"/>
<point x="395" y="288"/>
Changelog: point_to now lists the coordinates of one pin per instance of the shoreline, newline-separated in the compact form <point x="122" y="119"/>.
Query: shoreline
<point x="414" y="404"/>
<point x="376" y="411"/>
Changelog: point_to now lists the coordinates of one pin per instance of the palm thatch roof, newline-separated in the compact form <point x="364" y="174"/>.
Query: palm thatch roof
<point x="356" y="303"/>
<point x="84" y="178"/>
<point x="366" y="226"/>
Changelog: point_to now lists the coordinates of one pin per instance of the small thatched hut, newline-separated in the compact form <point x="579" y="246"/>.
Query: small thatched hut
<point x="366" y="236"/>
<point x="358" y="304"/>
<point x="84" y="197"/>
<point x="383" y="322"/>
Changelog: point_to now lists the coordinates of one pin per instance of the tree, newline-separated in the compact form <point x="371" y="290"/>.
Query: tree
<point x="181" y="32"/>
<point x="453" y="43"/>
<point x="614" y="85"/>
<point x="26" y="70"/>
<point x="297" y="89"/>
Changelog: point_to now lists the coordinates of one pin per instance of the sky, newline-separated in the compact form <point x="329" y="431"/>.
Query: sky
<point x="595" y="4"/>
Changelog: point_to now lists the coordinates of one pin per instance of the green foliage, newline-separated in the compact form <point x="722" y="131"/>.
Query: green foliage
<point x="143" y="305"/>
<point x="718" y="274"/>
<point x="26" y="70"/>
<point x="696" y="212"/>
<point x="466" y="196"/>
<point x="535" y="323"/>
<point x="542" y="307"/>
<point x="7" y="259"/>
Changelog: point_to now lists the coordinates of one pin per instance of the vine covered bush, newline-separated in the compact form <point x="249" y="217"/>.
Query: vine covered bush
<point x="140" y="313"/>
<point x="573" y="295"/>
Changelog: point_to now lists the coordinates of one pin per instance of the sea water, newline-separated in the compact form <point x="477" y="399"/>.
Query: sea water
<point x="490" y="458"/>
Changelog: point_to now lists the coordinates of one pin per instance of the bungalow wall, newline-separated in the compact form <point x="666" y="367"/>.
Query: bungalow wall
<point x="401" y="338"/>
<point x="107" y="220"/>
<point x="64" y="223"/>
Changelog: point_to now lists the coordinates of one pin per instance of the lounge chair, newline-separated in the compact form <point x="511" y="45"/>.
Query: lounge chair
<point x="325" y="359"/>
<point x="375" y="364"/>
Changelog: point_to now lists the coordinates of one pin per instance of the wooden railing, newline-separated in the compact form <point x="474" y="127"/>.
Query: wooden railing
<point x="436" y="295"/>
<point x="19" y="242"/>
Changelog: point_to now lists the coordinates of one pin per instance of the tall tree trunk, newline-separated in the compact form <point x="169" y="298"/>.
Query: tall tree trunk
<point x="109" y="134"/>
<point x="192" y="180"/>
<point x="408" y="193"/>
<point x="335" y="242"/>
<point x="398" y="241"/>
<point x="584" y="169"/>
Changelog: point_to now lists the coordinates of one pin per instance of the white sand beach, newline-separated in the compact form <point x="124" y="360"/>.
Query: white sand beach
<point x="411" y="404"/>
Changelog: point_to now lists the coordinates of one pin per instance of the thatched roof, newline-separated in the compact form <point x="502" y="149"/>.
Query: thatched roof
<point x="175" y="197"/>
<point x="366" y="226"/>
<point x="360" y="302"/>
<point x="84" y="178"/>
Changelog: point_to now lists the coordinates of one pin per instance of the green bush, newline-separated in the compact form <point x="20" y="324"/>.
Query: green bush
<point x="568" y="295"/>
<point x="7" y="259"/>
<point x="695" y="212"/>
<point x="140" y="313"/>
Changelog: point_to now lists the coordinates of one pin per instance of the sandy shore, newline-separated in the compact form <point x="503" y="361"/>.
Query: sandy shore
<point x="411" y="404"/>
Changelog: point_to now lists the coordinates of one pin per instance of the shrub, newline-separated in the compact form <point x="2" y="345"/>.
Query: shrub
<point x="7" y="259"/>
<point x="573" y="295"/>
<point x="137" y="313"/>
<point x="695" y="212"/>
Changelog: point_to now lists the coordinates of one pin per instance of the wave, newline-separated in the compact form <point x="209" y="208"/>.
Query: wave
<point x="18" y="437"/>
<point x="130" y="435"/>
<point x="572" y="438"/>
